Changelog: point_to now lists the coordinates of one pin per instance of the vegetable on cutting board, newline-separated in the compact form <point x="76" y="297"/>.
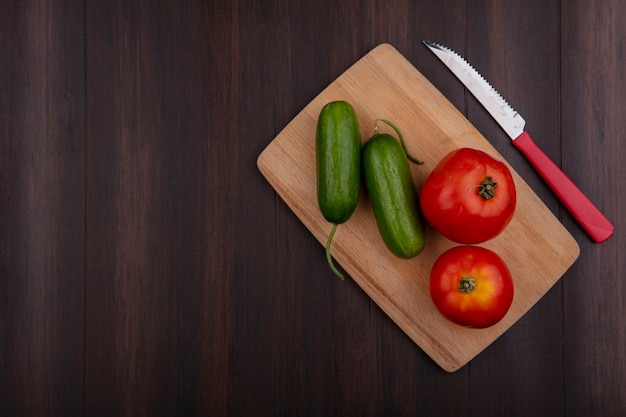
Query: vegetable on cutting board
<point x="392" y="193"/>
<point x="338" y="163"/>
<point x="469" y="197"/>
<point x="471" y="286"/>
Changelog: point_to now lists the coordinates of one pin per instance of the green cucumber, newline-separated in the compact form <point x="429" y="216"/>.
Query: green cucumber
<point x="338" y="163"/>
<point x="393" y="195"/>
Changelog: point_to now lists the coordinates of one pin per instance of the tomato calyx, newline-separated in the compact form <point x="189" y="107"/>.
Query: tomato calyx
<point x="486" y="189"/>
<point x="467" y="285"/>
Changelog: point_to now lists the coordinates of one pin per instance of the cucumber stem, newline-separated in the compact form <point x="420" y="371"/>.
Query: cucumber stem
<point x="394" y="127"/>
<point x="328" y="257"/>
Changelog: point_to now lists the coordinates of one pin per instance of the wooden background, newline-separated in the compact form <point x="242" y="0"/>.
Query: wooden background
<point x="148" y="269"/>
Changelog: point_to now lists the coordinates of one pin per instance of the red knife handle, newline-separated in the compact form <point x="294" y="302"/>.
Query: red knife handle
<point x="582" y="209"/>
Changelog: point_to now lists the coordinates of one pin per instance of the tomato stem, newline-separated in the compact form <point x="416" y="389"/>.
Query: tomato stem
<point x="467" y="285"/>
<point x="487" y="187"/>
<point x="328" y="257"/>
<point x="394" y="127"/>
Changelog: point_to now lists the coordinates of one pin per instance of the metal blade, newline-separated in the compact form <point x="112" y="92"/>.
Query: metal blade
<point x="506" y="116"/>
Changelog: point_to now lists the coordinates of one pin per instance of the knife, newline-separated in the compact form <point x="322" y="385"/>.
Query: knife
<point x="582" y="209"/>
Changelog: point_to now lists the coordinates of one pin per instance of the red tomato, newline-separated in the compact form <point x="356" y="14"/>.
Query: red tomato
<point x="469" y="197"/>
<point x="471" y="286"/>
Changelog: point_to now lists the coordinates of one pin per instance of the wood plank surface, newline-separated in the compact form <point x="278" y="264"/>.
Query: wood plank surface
<point x="42" y="226"/>
<point x="593" y="90"/>
<point x="132" y="142"/>
<point x="147" y="267"/>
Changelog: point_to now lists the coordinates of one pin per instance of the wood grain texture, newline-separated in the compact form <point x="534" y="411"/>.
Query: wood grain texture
<point x="41" y="215"/>
<point x="593" y="130"/>
<point x="147" y="267"/>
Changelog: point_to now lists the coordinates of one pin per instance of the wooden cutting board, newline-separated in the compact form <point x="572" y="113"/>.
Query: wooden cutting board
<point x="535" y="245"/>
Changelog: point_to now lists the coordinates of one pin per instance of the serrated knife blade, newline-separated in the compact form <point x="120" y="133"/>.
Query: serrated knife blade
<point x="582" y="209"/>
